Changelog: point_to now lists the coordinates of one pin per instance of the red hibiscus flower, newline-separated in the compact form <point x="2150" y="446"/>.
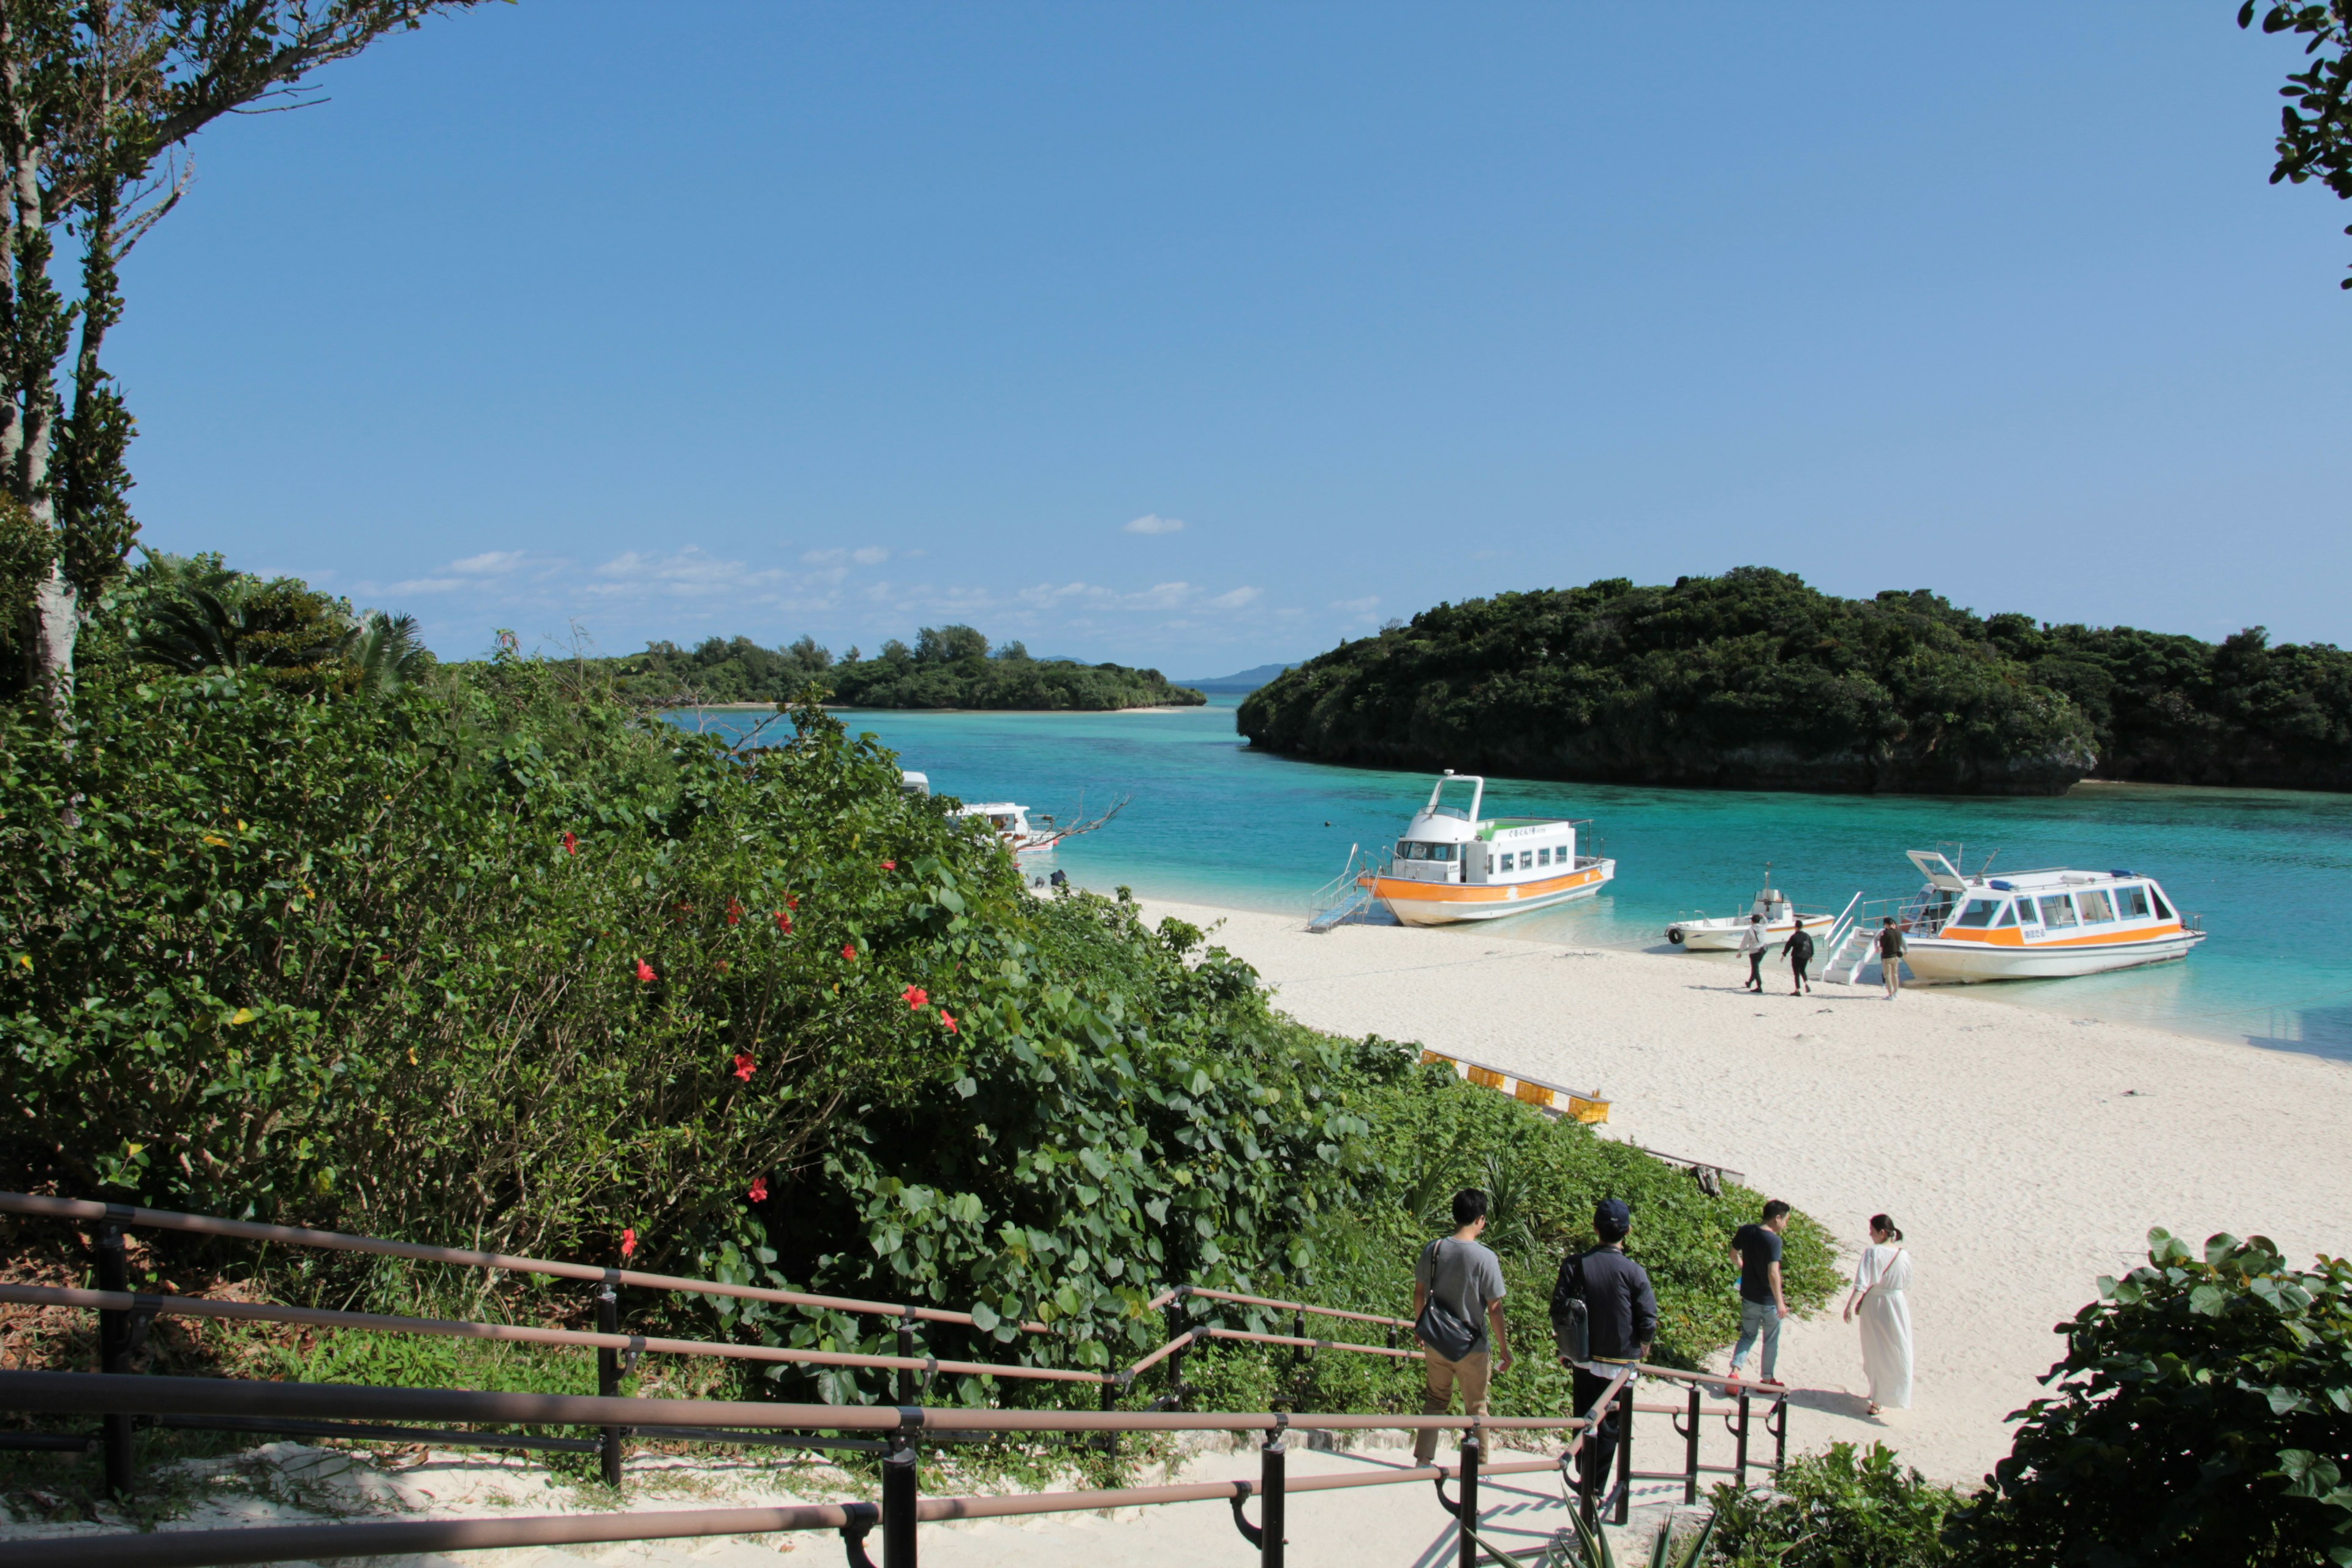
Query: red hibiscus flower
<point x="915" y="997"/>
<point x="849" y="952"/>
<point x="791" y="903"/>
<point x="745" y="1066"/>
<point x="890" y="865"/>
<point x="758" y="1194"/>
<point x="572" y="844"/>
<point x="646" y="975"/>
<point x="734" y="912"/>
<point x="949" y="1019"/>
<point x="784" y="922"/>
<point x="629" y="1243"/>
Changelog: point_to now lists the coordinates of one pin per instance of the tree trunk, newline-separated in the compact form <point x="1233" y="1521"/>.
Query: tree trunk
<point x="54" y="624"/>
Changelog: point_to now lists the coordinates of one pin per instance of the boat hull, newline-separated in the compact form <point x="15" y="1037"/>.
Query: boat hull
<point x="1723" y="935"/>
<point x="1445" y="903"/>
<point x="1966" y="963"/>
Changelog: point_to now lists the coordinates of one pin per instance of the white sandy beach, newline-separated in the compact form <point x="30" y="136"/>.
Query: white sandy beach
<point x="2023" y="1152"/>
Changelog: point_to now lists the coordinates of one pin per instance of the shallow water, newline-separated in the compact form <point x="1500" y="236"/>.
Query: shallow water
<point x="1210" y="821"/>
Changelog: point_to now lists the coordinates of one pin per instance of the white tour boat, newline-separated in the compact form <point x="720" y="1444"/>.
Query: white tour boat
<point x="1451" y="866"/>
<point x="1721" y="933"/>
<point x="2038" y="925"/>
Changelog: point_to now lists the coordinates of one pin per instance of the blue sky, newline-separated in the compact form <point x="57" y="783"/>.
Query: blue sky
<point x="1201" y="336"/>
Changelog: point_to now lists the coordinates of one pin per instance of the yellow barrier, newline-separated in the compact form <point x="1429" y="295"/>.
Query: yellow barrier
<point x="1535" y="1091"/>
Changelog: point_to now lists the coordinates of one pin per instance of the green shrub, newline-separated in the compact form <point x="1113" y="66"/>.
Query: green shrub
<point x="1840" y="1509"/>
<point x="2202" y="1416"/>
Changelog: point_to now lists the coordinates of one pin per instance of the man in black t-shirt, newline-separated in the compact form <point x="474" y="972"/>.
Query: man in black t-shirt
<point x="1757" y="1250"/>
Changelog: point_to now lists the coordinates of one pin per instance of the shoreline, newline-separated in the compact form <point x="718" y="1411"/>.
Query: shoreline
<point x="2025" y="1154"/>
<point x="856" y="708"/>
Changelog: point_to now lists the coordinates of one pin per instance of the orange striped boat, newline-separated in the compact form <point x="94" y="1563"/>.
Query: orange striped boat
<point x="1451" y="864"/>
<point x="2039" y="925"/>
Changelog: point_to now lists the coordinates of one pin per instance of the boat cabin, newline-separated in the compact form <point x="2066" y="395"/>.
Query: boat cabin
<point x="2034" y="906"/>
<point x="1446" y="842"/>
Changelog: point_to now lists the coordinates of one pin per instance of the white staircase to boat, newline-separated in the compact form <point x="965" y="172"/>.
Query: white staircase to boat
<point x="1344" y="898"/>
<point x="1850" y="945"/>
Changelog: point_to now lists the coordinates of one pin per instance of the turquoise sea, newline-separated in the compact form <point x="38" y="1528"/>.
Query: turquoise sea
<point x="1210" y="821"/>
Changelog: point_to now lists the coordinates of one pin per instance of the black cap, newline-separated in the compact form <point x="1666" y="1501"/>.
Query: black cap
<point x="1612" y="1216"/>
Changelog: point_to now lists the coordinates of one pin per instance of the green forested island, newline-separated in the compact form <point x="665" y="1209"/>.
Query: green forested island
<point x="948" y="667"/>
<point x="1755" y="680"/>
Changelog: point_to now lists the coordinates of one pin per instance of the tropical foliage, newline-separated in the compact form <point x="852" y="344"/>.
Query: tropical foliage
<point x="1754" y="680"/>
<point x="2315" y="138"/>
<point x="488" y="957"/>
<point x="1842" y="1508"/>
<point x="2202" y="1416"/>
<point x="948" y="667"/>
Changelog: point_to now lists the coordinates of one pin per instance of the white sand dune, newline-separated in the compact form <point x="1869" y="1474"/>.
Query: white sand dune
<point x="2024" y="1152"/>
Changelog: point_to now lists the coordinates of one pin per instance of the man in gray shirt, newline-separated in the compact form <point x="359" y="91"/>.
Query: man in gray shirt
<point x="1466" y="1280"/>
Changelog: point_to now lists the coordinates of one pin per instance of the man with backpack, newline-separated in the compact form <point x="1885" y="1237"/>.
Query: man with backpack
<point x="1458" y="1291"/>
<point x="1799" y="949"/>
<point x="1606" y="1315"/>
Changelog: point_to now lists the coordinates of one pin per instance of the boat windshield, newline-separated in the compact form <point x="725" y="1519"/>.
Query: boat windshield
<point x="1414" y="849"/>
<point x="1979" y="911"/>
<point x="2133" y="902"/>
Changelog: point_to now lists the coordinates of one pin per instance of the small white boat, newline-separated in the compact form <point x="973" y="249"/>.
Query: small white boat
<point x="1013" y="825"/>
<point x="1720" y="933"/>
<point x="2038" y="925"/>
<point x="1453" y="866"/>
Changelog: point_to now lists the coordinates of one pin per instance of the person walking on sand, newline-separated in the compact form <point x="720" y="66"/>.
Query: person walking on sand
<point x="1752" y="944"/>
<point x="1891" y="948"/>
<point x="1458" y="1291"/>
<point x="1757" y="1250"/>
<point x="1882" y="1300"/>
<point x="1620" y="1320"/>
<point x="1799" y="949"/>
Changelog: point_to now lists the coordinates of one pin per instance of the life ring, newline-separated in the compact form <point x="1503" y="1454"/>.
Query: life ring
<point x="1675" y="935"/>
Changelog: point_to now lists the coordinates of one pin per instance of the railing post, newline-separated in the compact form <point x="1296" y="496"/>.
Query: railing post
<point x="1176" y="1327"/>
<point x="1109" y="1403"/>
<point x="608" y="1376"/>
<point x="1466" y="1521"/>
<point x="1270" y="1483"/>
<point x="1779" y="1422"/>
<point x="899" y="1495"/>
<point x="1624" y="1414"/>
<point x="1588" y="1482"/>
<point x="1690" y="1451"/>
<point x="907" y="1393"/>
<point x="1739" y="1458"/>
<point x="114" y="1356"/>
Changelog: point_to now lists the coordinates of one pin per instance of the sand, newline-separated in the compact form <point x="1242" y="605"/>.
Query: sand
<point x="2024" y="1152"/>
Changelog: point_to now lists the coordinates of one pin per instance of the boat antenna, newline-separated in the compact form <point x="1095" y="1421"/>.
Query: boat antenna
<point x="1987" y="867"/>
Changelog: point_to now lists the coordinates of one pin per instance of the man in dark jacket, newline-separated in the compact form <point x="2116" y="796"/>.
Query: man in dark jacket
<point x="1622" y="1315"/>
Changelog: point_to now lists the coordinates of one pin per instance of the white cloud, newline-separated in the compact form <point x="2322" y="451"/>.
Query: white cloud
<point x="1363" y="606"/>
<point x="1235" y="600"/>
<point x="870" y="555"/>
<point x="489" y="563"/>
<point x="1151" y="523"/>
<point x="690" y="573"/>
<point x="427" y="585"/>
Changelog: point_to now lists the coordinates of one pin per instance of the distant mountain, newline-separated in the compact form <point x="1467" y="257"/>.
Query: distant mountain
<point x="1246" y="682"/>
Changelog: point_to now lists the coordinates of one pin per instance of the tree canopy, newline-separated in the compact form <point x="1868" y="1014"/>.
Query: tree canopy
<point x="1755" y="680"/>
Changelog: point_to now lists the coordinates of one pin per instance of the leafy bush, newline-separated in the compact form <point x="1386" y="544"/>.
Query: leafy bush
<point x="1840" y="1509"/>
<point x="2202" y="1416"/>
<point x="950" y="666"/>
<point x="1754" y="680"/>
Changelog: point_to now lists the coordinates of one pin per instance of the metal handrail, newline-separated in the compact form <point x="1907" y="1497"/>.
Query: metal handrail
<point x="99" y="1392"/>
<point x="1205" y="1293"/>
<point x="339" y="1241"/>
<point x="319" y="1317"/>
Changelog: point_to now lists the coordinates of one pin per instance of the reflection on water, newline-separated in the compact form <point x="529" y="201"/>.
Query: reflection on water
<point x="1214" y="822"/>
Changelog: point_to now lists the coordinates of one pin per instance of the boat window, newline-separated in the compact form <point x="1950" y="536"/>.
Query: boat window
<point x="2162" y="911"/>
<point x="2058" y="910"/>
<point x="2009" y="915"/>
<point x="1979" y="911"/>
<point x="2096" y="908"/>
<point x="1509" y="860"/>
<point x="2133" y="901"/>
<point x="1543" y="855"/>
<point x="1414" y="850"/>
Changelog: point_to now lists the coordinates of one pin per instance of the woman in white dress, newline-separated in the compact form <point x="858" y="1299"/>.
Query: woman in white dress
<point x="1882" y="1287"/>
